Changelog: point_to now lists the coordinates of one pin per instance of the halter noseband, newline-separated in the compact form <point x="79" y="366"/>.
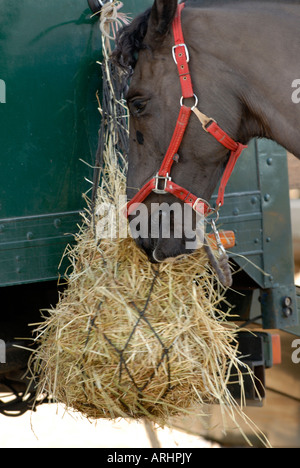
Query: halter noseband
<point x="162" y="182"/>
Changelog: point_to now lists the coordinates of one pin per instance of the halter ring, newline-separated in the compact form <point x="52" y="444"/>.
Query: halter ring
<point x="211" y="212"/>
<point x="194" y="106"/>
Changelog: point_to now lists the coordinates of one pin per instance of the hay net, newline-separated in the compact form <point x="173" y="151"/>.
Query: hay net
<point x="128" y="339"/>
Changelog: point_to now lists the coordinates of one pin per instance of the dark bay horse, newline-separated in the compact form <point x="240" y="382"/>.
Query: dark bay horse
<point x="244" y="65"/>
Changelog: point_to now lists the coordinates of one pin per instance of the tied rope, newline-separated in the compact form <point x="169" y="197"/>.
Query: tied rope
<point x="111" y="19"/>
<point x="113" y="140"/>
<point x="113" y="110"/>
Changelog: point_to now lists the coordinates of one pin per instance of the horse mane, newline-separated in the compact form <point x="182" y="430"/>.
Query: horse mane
<point x="130" y="40"/>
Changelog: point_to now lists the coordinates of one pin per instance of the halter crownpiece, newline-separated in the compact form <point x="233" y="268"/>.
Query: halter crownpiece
<point x="162" y="183"/>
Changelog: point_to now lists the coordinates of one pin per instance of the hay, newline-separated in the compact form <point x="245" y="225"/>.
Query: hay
<point x="128" y="339"/>
<point x="135" y="341"/>
<point x="131" y="340"/>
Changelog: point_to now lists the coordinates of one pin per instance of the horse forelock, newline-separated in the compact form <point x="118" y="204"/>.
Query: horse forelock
<point x="130" y="40"/>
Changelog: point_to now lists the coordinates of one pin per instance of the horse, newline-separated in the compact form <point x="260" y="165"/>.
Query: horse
<point x="240" y="59"/>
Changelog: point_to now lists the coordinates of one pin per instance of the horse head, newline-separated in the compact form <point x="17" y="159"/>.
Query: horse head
<point x="155" y="98"/>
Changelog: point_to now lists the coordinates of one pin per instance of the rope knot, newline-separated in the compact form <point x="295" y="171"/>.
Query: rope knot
<point x="111" y="18"/>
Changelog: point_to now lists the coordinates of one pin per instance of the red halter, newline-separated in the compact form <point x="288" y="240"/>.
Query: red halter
<point x="162" y="182"/>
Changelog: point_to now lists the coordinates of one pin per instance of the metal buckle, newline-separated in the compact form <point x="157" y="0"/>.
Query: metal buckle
<point x="185" y="49"/>
<point x="199" y="200"/>
<point x="157" y="179"/>
<point x="204" y="125"/>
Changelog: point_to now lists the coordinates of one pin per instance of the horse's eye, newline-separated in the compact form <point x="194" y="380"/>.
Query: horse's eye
<point x="137" y="106"/>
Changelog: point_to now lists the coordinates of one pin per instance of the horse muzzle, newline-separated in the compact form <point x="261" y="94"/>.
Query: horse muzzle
<point x="168" y="233"/>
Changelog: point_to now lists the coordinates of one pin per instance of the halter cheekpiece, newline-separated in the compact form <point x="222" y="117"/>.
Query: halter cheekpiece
<point x="162" y="182"/>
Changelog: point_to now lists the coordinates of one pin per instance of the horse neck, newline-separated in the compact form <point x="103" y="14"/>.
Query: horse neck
<point x="257" y="45"/>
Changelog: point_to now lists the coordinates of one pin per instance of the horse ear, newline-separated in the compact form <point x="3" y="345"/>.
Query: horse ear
<point x="162" y="15"/>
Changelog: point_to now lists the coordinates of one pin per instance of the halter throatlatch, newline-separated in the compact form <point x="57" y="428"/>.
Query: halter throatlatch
<point x="162" y="182"/>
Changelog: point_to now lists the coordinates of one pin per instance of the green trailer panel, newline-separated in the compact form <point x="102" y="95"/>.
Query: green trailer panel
<point x="49" y="124"/>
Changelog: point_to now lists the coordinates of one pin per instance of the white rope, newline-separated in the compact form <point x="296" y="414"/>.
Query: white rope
<point x="111" y="19"/>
